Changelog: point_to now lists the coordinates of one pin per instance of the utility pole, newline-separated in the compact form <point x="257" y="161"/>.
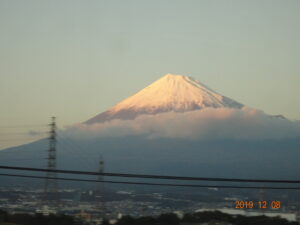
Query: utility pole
<point x="51" y="186"/>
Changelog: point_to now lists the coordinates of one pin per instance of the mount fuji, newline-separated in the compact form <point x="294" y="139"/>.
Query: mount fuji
<point x="175" y="93"/>
<point x="175" y="126"/>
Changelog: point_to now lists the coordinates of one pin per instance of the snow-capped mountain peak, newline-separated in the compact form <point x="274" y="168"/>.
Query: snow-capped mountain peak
<point x="176" y="93"/>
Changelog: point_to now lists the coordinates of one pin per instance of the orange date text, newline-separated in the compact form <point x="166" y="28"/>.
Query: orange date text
<point x="257" y="204"/>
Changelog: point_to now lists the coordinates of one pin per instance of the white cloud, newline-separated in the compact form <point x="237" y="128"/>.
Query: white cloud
<point x="208" y="123"/>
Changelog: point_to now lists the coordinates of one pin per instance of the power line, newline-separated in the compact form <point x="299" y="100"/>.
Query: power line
<point x="153" y="176"/>
<point x="21" y="139"/>
<point x="153" y="184"/>
<point x="76" y="150"/>
<point x="22" y="159"/>
<point x="28" y="133"/>
<point x="24" y="126"/>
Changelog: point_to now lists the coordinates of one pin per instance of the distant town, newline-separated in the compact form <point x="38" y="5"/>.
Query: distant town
<point x="92" y="207"/>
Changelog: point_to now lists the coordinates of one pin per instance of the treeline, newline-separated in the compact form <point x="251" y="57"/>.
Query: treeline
<point x="212" y="218"/>
<point x="36" y="219"/>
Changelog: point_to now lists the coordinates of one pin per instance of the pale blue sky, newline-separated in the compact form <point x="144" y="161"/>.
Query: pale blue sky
<point x="74" y="59"/>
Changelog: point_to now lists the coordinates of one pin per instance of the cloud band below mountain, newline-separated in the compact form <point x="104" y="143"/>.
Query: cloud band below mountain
<point x="209" y="123"/>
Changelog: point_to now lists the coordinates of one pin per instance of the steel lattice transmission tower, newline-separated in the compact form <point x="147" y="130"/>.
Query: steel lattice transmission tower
<point x="100" y="176"/>
<point x="100" y="188"/>
<point x="51" y="186"/>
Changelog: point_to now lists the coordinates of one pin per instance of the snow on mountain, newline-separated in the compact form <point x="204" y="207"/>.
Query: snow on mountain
<point x="175" y="93"/>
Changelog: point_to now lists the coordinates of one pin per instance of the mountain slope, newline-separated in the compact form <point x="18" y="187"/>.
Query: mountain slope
<point x="240" y="144"/>
<point x="170" y="93"/>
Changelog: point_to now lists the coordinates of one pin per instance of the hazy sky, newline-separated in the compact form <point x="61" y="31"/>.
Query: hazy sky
<point x="74" y="59"/>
